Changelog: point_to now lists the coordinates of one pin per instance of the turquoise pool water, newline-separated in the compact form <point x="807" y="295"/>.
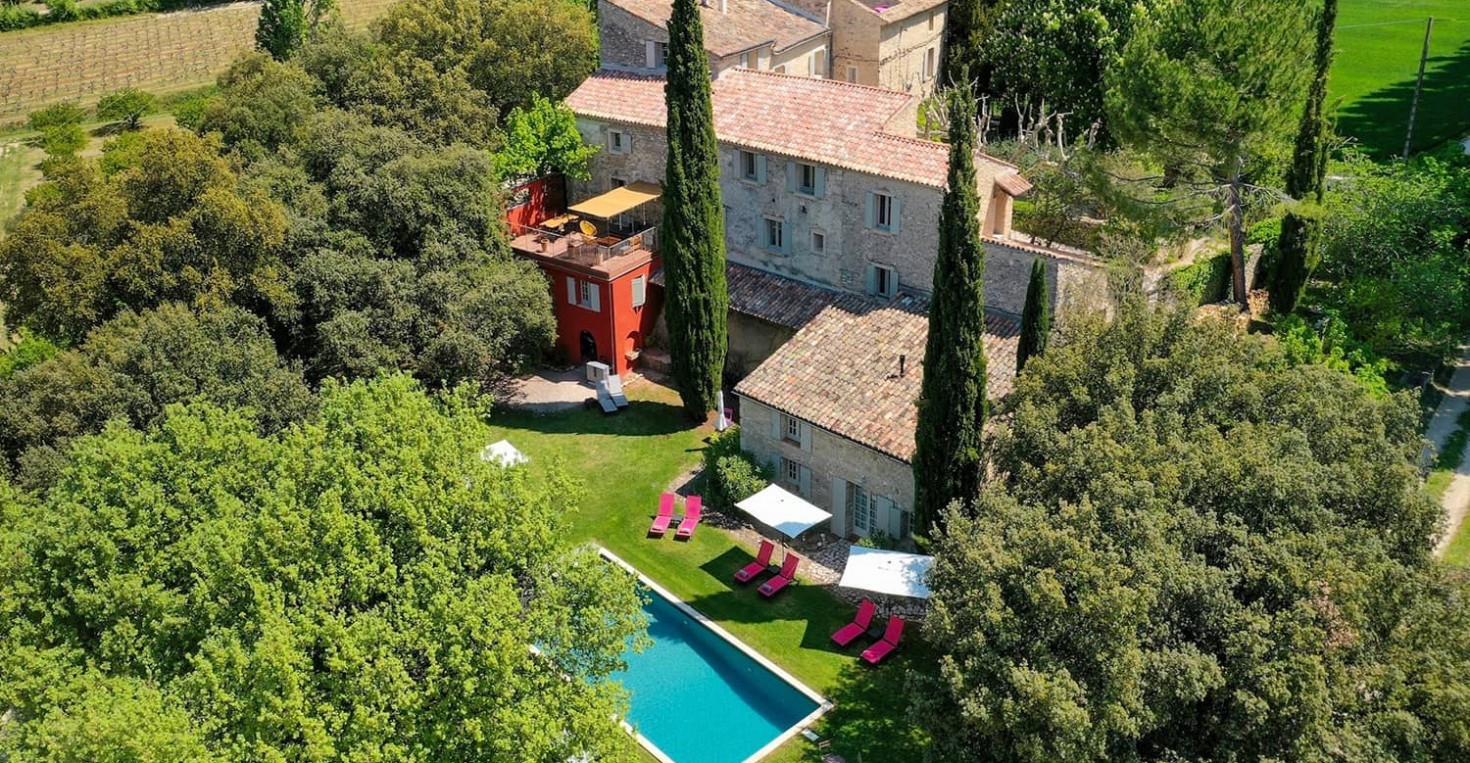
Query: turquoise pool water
<point x="701" y="700"/>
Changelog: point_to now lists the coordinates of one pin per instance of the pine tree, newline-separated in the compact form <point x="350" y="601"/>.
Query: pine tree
<point x="1035" y="318"/>
<point x="282" y="28"/>
<point x="952" y="403"/>
<point x="1297" y="251"/>
<point x="694" y="219"/>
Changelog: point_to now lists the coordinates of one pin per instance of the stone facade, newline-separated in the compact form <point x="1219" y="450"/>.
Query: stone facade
<point x="831" y="471"/>
<point x="902" y="54"/>
<point x="838" y="210"/>
<point x="752" y="340"/>
<point x="625" y="40"/>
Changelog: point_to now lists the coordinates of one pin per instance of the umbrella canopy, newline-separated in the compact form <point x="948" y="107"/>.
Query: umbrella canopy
<point x="786" y="513"/>
<point x="503" y="453"/>
<point x="893" y="573"/>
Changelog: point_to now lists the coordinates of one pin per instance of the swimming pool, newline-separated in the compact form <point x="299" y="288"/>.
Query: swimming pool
<point x="700" y="696"/>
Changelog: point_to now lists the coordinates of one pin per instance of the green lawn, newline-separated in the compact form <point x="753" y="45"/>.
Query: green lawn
<point x="1378" y="46"/>
<point x="625" y="461"/>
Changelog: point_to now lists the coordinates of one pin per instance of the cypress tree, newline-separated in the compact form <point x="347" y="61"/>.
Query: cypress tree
<point x="966" y="25"/>
<point x="952" y="403"/>
<point x="1297" y="247"/>
<point x="282" y="27"/>
<point x="1035" y="317"/>
<point x="695" y="299"/>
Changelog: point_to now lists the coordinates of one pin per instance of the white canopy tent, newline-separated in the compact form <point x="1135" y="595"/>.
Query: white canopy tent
<point x="782" y="511"/>
<point x="891" y="573"/>
<point x="503" y="453"/>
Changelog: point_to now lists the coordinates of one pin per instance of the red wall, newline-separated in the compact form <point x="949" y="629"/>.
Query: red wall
<point x="528" y="203"/>
<point x="617" y="326"/>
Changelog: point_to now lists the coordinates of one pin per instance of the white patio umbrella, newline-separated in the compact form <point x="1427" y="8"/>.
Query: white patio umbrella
<point x="782" y="511"/>
<point x="887" y="573"/>
<point x="503" y="453"/>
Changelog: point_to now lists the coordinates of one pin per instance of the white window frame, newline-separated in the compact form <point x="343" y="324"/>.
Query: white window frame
<point x="791" y="473"/>
<point x="618" y="142"/>
<point x="777" y="226"/>
<point x="819" y="242"/>
<point x="852" y="74"/>
<point x="585" y="291"/>
<point x="745" y="60"/>
<point x="661" y="55"/>
<point x="819" y="63"/>
<point x="640" y="291"/>
<point x="931" y="58"/>
<point x="862" y="507"/>
<point x="791" y="429"/>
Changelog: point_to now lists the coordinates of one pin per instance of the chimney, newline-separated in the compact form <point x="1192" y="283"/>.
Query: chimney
<point x="902" y="361"/>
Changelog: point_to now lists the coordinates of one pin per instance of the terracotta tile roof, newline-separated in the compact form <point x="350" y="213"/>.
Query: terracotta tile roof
<point x="840" y="372"/>
<point x="745" y="24"/>
<point x="778" y="299"/>
<point x="834" y="123"/>
<point x="897" y="10"/>
<point x="1013" y="184"/>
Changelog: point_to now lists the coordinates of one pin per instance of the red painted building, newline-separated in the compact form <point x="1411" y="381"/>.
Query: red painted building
<point x="598" y="256"/>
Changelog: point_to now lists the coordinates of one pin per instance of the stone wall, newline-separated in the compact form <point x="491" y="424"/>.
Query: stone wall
<point x="855" y="33"/>
<point x="752" y="340"/>
<point x="902" y="48"/>
<point x="1077" y="284"/>
<point x="831" y="463"/>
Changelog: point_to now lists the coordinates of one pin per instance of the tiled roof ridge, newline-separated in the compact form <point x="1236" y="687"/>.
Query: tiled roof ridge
<point x="825" y="81"/>
<point x="945" y="147"/>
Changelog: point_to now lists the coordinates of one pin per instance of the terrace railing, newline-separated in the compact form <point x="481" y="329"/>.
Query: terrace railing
<point x="591" y="253"/>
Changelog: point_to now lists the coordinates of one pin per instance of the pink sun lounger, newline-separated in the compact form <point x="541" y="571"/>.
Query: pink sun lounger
<point x="783" y="578"/>
<point x="762" y="561"/>
<point x="875" y="653"/>
<point x="693" y="510"/>
<point x="665" y="515"/>
<point x="859" y="625"/>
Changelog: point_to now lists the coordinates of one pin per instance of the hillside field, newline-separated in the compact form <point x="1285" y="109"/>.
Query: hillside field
<point x="1378" y="46"/>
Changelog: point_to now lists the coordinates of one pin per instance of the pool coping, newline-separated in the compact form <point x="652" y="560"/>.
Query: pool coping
<point x="823" y="704"/>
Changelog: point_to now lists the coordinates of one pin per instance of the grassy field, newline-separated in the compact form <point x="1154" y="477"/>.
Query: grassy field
<point x="81" y="61"/>
<point x="1378" y="46"/>
<point x="626" y="461"/>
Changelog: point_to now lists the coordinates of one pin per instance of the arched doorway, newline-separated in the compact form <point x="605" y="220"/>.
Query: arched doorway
<point x="589" y="347"/>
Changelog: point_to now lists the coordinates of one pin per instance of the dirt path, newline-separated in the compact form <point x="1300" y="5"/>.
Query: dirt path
<point x="1456" y="499"/>
<point x="82" y="61"/>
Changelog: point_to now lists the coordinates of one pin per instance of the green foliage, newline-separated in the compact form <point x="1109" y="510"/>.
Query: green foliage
<point x="1035" y="316"/>
<point x="360" y="587"/>
<point x="1199" y="551"/>
<point x="57" y="115"/>
<point x="543" y="139"/>
<point x="509" y="49"/>
<point x="63" y="140"/>
<point x="1394" y="254"/>
<point x="879" y="539"/>
<point x="171" y="224"/>
<point x="27" y="351"/>
<point x="62" y="10"/>
<point x="953" y="404"/>
<point x="1208" y="89"/>
<point x="967" y="25"/>
<point x="733" y="474"/>
<point x="1055" y="52"/>
<point x="282" y="28"/>
<point x="1298" y="249"/>
<point x="693" y="232"/>
<point x="260" y="105"/>
<point x="132" y="368"/>
<point x="1331" y="346"/>
<point x="1203" y="282"/>
<point x="14" y="17"/>
<point x="128" y="106"/>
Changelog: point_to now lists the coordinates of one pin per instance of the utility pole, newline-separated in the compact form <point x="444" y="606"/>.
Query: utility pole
<point x="1419" y="85"/>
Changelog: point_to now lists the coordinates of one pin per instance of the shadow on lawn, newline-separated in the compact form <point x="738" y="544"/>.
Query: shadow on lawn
<point x="1378" y="120"/>
<point x="813" y="605"/>
<point x="640" y="418"/>
<point x="871" y="722"/>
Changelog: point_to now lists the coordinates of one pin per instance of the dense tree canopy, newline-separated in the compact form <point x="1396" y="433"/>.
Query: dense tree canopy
<point x="135" y="365"/>
<point x="363" y="587"/>
<point x="510" y="49"/>
<point x="1200" y="552"/>
<point x="1210" y="89"/>
<point x="168" y="222"/>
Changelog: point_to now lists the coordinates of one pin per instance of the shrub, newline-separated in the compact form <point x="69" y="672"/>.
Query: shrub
<point x="14" y="17"/>
<point x="732" y="474"/>
<point x="29" y="351"/>
<point x="61" y="10"/>
<point x="1331" y="345"/>
<point x="63" y="140"/>
<point x="1206" y="281"/>
<point x="128" y="106"/>
<point x="56" y="115"/>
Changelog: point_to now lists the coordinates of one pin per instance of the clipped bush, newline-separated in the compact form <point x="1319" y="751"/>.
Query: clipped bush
<point x="14" y="17"/>
<point x="1204" y="282"/>
<point x="732" y="474"/>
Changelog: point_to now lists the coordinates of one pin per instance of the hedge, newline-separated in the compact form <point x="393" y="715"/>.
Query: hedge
<point x="13" y="17"/>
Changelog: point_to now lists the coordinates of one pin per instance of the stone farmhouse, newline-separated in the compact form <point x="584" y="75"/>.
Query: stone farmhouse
<point x="832" y="226"/>
<point x="892" y="44"/>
